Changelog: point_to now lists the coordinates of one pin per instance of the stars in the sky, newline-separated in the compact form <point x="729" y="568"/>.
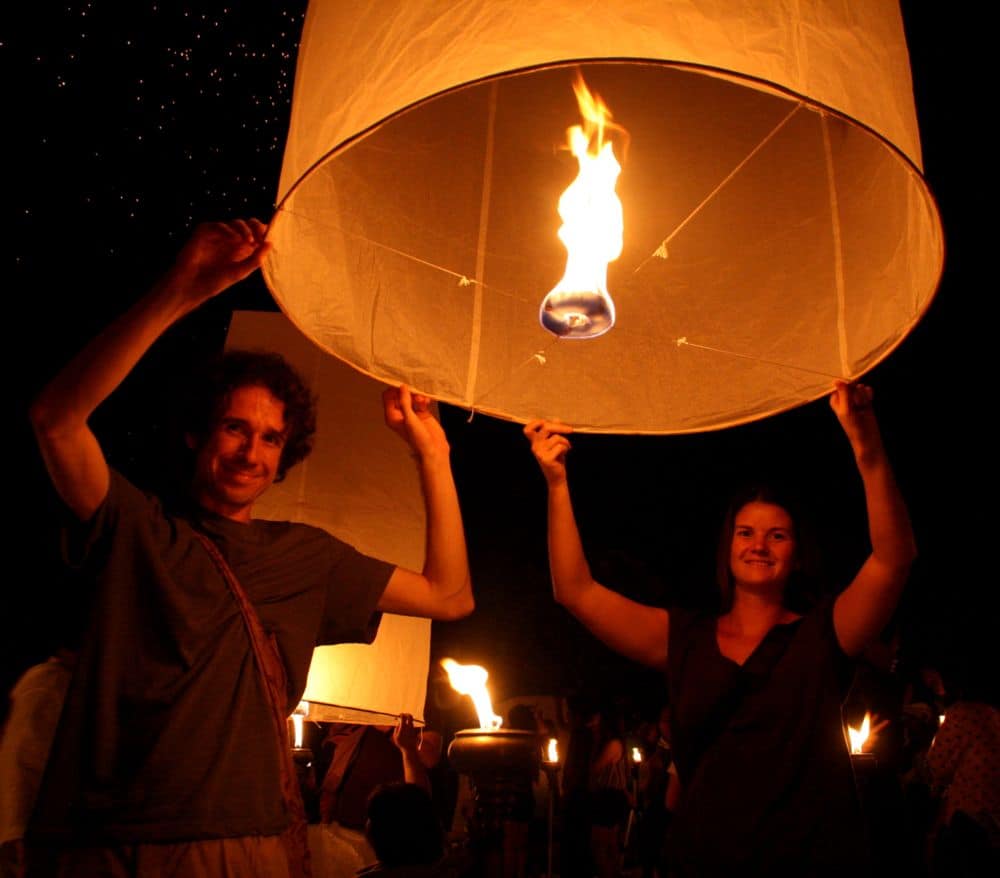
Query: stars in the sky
<point x="150" y="116"/>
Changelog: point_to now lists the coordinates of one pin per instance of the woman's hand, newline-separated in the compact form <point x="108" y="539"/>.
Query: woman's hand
<point x="852" y="404"/>
<point x="550" y="446"/>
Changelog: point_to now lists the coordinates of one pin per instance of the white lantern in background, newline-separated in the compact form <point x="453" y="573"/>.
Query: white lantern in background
<point x="381" y="515"/>
<point x="776" y="217"/>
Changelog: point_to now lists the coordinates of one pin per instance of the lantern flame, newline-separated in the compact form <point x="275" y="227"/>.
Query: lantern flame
<point x="579" y="306"/>
<point x="471" y="680"/>
<point x="552" y="751"/>
<point x="636" y="755"/>
<point x="859" y="737"/>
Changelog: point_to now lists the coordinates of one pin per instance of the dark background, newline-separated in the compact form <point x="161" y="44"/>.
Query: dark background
<point x="128" y="123"/>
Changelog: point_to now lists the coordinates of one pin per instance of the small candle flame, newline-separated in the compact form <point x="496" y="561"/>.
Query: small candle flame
<point x="298" y="715"/>
<point x="859" y="737"/>
<point x="552" y="751"/>
<point x="636" y="755"/>
<point x="471" y="680"/>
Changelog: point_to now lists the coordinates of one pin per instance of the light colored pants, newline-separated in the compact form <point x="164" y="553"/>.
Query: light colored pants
<point x="251" y="856"/>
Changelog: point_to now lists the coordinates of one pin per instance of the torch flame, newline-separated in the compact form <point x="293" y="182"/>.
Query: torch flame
<point x="859" y="737"/>
<point x="471" y="680"/>
<point x="579" y="306"/>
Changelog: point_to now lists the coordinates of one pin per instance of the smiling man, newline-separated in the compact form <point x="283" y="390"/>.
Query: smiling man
<point x="169" y="752"/>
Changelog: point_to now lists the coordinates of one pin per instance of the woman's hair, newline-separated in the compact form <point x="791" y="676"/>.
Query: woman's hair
<point x="209" y="392"/>
<point x="804" y="585"/>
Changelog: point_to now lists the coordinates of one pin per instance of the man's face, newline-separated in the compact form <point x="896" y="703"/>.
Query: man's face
<point x="238" y="460"/>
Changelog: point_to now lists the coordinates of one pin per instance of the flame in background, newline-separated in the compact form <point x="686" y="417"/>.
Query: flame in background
<point x="552" y="751"/>
<point x="859" y="737"/>
<point x="471" y="680"/>
<point x="298" y="715"/>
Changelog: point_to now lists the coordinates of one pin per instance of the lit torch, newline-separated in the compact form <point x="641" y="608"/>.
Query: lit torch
<point x="471" y="680"/>
<point x="498" y="762"/>
<point x="579" y="306"/>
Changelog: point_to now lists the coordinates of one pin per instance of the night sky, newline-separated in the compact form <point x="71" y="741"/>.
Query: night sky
<point x="132" y="122"/>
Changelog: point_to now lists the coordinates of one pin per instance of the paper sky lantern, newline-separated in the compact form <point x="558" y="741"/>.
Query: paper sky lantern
<point x="778" y="231"/>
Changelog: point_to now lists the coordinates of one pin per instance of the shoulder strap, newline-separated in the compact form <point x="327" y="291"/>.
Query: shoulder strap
<point x="272" y="671"/>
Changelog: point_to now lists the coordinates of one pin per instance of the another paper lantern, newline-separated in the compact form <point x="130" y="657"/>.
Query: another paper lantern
<point x="381" y="514"/>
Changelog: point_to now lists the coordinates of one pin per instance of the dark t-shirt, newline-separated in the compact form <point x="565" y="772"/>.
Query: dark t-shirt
<point x="167" y="734"/>
<point x="766" y="778"/>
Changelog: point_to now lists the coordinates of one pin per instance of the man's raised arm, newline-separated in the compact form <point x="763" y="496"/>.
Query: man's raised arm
<point x="215" y="257"/>
<point x="443" y="589"/>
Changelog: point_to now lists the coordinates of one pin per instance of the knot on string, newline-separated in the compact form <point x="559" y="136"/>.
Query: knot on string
<point x="472" y="414"/>
<point x="539" y="358"/>
<point x="681" y="340"/>
<point x="661" y="251"/>
<point x="463" y="281"/>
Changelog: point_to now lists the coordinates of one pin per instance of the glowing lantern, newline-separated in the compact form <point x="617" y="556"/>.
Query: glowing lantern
<point x="778" y="228"/>
<point x="471" y="680"/>
<point x="381" y="515"/>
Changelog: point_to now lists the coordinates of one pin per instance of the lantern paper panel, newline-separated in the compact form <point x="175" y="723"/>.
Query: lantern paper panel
<point x="360" y="485"/>
<point x="775" y="237"/>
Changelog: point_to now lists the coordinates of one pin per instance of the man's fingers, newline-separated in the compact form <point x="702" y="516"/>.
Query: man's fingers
<point x="257" y="228"/>
<point x="243" y="229"/>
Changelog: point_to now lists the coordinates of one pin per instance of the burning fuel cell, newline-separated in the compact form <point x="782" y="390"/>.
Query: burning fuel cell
<point x="579" y="305"/>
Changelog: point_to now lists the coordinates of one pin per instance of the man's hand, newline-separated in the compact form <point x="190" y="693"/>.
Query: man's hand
<point x="409" y="415"/>
<point x="550" y="446"/>
<point x="218" y="255"/>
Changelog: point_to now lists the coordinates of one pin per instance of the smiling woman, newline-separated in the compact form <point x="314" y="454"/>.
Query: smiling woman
<point x="766" y="536"/>
<point x="754" y="692"/>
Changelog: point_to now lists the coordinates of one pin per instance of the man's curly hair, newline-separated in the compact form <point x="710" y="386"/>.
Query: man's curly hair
<point x="209" y="395"/>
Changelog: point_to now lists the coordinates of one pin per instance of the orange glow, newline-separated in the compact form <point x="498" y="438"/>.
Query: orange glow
<point x="580" y="306"/>
<point x="552" y="751"/>
<point x="859" y="737"/>
<point x="471" y="680"/>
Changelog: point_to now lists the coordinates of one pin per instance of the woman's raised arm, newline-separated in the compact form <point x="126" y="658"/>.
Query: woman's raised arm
<point x="864" y="608"/>
<point x="635" y="630"/>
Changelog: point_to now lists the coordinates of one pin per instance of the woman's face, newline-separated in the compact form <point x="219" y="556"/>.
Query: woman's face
<point x="763" y="554"/>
